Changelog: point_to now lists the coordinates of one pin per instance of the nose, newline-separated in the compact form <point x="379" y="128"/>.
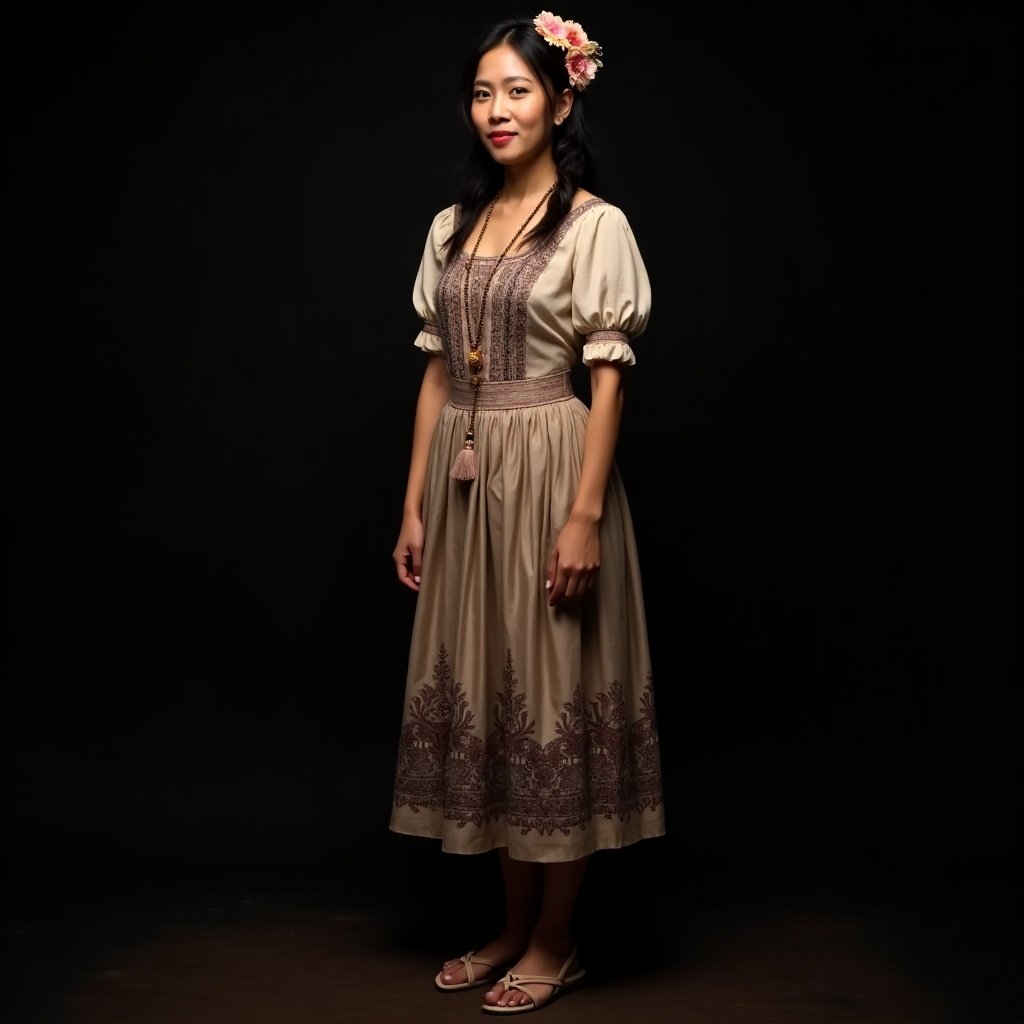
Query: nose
<point x="496" y="113"/>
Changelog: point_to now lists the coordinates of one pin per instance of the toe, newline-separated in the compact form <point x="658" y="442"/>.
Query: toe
<point x="503" y="998"/>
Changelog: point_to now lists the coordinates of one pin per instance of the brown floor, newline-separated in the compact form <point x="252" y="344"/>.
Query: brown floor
<point x="231" y="953"/>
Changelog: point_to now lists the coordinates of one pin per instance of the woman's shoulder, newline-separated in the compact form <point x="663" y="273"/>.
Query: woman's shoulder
<point x="583" y="196"/>
<point x="592" y="213"/>
<point x="442" y="224"/>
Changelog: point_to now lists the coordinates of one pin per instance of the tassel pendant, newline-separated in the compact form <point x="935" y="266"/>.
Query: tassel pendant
<point x="464" y="466"/>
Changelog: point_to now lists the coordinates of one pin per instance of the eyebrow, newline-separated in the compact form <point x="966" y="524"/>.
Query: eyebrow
<point x="511" y="78"/>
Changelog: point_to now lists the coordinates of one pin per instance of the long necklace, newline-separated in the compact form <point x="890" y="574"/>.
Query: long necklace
<point x="464" y="467"/>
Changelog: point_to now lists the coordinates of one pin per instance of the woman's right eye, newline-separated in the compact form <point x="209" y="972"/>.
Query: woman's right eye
<point x="480" y="94"/>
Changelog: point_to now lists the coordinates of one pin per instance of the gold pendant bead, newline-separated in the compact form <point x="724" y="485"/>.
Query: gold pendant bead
<point x="475" y="360"/>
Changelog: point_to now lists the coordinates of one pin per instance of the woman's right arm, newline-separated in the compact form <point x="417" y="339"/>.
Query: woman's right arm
<point x="408" y="553"/>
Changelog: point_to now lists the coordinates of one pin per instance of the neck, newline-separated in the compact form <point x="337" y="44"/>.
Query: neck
<point x="528" y="183"/>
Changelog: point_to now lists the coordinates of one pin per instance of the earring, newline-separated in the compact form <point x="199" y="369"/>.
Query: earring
<point x="558" y="120"/>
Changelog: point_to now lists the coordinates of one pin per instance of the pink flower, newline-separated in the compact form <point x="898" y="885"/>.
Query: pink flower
<point x="574" y="34"/>
<point x="552" y="28"/>
<point x="581" y="68"/>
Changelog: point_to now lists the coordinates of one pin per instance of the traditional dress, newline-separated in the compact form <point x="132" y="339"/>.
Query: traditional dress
<point x="527" y="726"/>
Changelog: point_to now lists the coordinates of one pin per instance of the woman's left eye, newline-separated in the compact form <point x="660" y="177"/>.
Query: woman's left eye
<point x="519" y="90"/>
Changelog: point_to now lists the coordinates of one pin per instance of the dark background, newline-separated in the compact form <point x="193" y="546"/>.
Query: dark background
<point x="213" y="220"/>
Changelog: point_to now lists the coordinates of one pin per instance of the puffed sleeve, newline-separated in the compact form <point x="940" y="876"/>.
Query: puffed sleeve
<point x="424" y="293"/>
<point x="611" y="292"/>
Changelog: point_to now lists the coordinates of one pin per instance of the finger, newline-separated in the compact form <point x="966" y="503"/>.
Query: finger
<point x="552" y="571"/>
<point x="404" y="576"/>
<point x="408" y="580"/>
<point x="580" y="583"/>
<point x="558" y="587"/>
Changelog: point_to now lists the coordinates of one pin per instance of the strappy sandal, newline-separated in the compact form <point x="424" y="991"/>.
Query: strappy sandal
<point x="564" y="981"/>
<point x="472" y="981"/>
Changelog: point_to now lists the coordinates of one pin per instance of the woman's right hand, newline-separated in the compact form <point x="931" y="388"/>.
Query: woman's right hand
<point x="408" y="553"/>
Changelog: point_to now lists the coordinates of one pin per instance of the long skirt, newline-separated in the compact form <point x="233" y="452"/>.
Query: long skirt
<point x="525" y="726"/>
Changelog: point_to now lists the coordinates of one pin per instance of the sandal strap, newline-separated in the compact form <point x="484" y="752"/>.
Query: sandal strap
<point x="469" y="959"/>
<point x="514" y="980"/>
<point x="517" y="981"/>
<point x="520" y="981"/>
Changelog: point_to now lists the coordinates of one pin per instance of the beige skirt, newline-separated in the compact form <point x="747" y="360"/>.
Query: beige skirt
<point x="525" y="726"/>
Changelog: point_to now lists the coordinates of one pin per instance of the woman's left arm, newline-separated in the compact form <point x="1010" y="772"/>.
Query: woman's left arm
<point x="576" y="556"/>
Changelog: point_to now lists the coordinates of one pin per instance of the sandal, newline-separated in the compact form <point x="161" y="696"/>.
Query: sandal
<point x="559" y="985"/>
<point x="472" y="981"/>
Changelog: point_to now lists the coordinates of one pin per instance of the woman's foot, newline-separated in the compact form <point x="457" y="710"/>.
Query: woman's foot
<point x="537" y="960"/>
<point x="501" y="952"/>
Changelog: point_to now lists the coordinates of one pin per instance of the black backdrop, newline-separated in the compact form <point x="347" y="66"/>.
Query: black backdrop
<point x="214" y="217"/>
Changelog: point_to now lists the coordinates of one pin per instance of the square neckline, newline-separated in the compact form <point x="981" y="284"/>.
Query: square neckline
<point x="569" y="218"/>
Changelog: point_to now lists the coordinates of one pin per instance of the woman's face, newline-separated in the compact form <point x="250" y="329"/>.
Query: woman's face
<point x="510" y="108"/>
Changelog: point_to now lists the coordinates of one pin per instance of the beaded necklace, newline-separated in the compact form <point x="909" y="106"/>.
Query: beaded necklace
<point x="464" y="467"/>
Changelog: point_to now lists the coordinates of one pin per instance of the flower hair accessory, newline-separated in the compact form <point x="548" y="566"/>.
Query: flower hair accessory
<point x="581" y="53"/>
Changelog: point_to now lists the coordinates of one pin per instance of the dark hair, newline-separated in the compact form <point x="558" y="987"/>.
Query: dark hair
<point x="482" y="177"/>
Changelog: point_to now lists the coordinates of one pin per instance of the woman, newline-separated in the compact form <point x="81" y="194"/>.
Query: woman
<point x="529" y="726"/>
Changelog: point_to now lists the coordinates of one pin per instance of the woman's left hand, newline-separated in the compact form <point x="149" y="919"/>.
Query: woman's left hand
<point x="575" y="561"/>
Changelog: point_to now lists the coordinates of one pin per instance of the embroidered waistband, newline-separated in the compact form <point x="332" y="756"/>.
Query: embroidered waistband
<point x="511" y="394"/>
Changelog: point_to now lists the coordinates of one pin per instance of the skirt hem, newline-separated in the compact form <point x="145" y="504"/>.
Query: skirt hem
<point x="529" y="849"/>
